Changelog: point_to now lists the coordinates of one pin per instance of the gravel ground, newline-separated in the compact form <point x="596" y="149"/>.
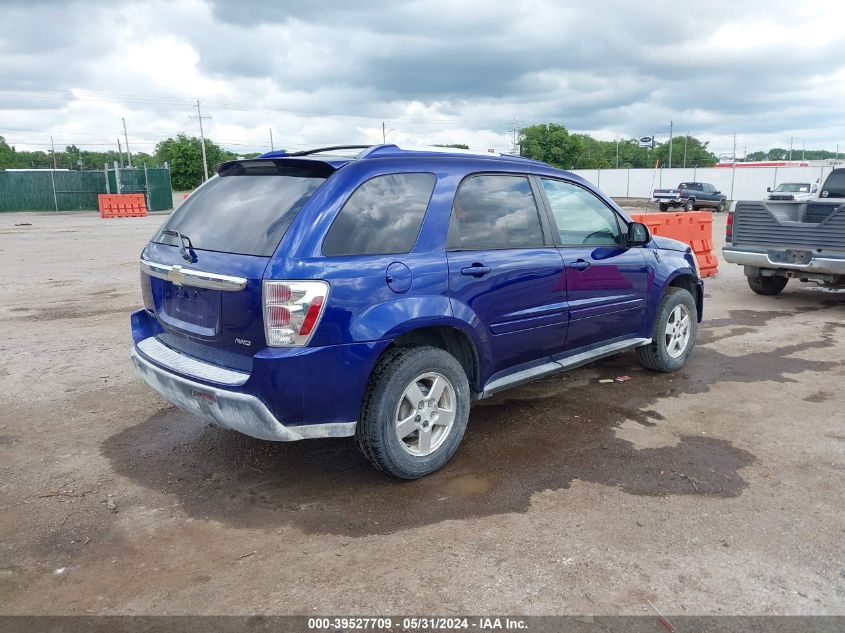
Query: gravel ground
<point x="714" y="490"/>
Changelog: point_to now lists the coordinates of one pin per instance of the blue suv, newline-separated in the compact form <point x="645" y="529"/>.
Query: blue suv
<point x="376" y="292"/>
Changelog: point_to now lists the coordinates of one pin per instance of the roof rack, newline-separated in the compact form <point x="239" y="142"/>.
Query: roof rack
<point x="390" y="149"/>
<point x="330" y="148"/>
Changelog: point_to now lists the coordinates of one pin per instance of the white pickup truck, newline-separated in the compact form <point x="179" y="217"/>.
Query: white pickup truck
<point x="778" y="240"/>
<point x="792" y="191"/>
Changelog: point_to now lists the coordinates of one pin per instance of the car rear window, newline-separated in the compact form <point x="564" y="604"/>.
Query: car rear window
<point x="835" y="184"/>
<point x="247" y="208"/>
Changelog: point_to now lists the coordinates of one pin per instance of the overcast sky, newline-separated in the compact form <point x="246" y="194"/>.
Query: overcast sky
<point x="451" y="71"/>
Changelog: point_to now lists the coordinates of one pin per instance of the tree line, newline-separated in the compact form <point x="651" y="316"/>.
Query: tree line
<point x="553" y="143"/>
<point x="182" y="153"/>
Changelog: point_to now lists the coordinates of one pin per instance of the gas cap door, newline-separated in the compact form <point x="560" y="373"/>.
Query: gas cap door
<point x="398" y="277"/>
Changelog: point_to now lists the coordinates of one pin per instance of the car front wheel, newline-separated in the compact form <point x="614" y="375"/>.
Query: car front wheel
<point x="689" y="205"/>
<point x="415" y="412"/>
<point x="673" y="334"/>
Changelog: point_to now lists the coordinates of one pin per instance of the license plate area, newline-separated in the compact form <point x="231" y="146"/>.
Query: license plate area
<point x="190" y="309"/>
<point x="791" y="256"/>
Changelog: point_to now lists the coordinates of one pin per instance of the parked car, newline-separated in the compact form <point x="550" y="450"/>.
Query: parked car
<point x="779" y="240"/>
<point x="691" y="196"/>
<point x="792" y="191"/>
<point x="377" y="295"/>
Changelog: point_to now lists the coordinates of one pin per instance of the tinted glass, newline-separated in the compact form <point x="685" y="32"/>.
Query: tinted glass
<point x="383" y="216"/>
<point x="494" y="212"/>
<point x="835" y="184"/>
<point x="580" y="216"/>
<point x="241" y="213"/>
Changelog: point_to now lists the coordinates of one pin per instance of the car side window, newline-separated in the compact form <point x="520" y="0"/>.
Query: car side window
<point x="383" y="216"/>
<point x="493" y="211"/>
<point x="709" y="188"/>
<point x="581" y="217"/>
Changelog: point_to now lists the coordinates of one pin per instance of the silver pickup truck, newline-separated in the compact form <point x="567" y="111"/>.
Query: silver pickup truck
<point x="779" y="240"/>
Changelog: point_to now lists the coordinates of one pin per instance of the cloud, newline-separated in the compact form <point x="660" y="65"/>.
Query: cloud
<point x="435" y="71"/>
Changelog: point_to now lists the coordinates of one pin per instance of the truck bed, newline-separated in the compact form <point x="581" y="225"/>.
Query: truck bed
<point x="816" y="225"/>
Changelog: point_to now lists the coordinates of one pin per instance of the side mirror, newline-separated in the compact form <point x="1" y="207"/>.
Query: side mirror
<point x="768" y="189"/>
<point x="638" y="234"/>
<point x="814" y="189"/>
<point x="717" y="192"/>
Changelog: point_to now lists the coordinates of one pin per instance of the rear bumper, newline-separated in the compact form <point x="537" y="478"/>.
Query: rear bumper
<point x="773" y="260"/>
<point x="229" y="408"/>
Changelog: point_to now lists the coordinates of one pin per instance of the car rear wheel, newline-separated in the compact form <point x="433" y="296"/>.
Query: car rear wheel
<point x="673" y="334"/>
<point x="415" y="412"/>
<point x="689" y="205"/>
<point x="768" y="286"/>
<point x="721" y="206"/>
<point x="664" y="206"/>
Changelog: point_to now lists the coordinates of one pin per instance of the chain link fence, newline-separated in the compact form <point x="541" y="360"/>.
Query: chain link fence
<point x="57" y="190"/>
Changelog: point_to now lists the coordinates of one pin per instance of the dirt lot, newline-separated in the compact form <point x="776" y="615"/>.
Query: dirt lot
<point x="714" y="490"/>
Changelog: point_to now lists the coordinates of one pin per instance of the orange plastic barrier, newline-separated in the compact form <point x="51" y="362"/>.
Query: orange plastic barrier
<point x="693" y="228"/>
<point x="124" y="205"/>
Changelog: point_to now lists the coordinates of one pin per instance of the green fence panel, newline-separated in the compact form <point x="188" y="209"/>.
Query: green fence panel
<point x="161" y="192"/>
<point x="26" y="191"/>
<point x="77" y="190"/>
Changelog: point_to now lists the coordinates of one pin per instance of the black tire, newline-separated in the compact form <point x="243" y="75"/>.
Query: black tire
<point x="721" y="206"/>
<point x="376" y="435"/>
<point x="664" y="206"/>
<point x="768" y="286"/>
<point x="689" y="205"/>
<point x="656" y="355"/>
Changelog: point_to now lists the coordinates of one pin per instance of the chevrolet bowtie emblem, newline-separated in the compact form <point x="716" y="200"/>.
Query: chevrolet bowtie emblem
<point x="175" y="275"/>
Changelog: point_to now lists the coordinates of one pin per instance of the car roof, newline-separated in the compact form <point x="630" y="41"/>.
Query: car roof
<point x="340" y="155"/>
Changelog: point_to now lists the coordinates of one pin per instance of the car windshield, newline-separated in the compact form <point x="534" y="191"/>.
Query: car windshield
<point x="246" y="209"/>
<point x="794" y="187"/>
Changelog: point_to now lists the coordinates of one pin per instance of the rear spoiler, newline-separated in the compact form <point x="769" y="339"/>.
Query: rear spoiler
<point x="297" y="167"/>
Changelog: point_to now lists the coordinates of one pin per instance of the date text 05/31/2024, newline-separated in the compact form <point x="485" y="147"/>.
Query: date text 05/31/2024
<point x="418" y="623"/>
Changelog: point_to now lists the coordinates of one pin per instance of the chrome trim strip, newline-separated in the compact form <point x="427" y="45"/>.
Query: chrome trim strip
<point x="828" y="265"/>
<point x="159" y="353"/>
<point x="232" y="410"/>
<point x="189" y="277"/>
<point x="558" y="365"/>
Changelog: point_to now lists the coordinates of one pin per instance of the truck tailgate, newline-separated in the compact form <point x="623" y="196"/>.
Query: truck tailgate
<point x="770" y="225"/>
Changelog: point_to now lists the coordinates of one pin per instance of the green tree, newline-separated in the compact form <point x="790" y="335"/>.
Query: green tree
<point x="454" y="145"/>
<point x="184" y="155"/>
<point x="7" y="155"/>
<point x="696" y="153"/>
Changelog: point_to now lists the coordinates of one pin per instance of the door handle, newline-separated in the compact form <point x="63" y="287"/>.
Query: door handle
<point x="580" y="265"/>
<point x="476" y="270"/>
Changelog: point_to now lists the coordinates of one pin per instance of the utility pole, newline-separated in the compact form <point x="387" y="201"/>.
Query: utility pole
<point x="126" y="138"/>
<point x="272" y="149"/>
<point x="617" y="152"/>
<point x="515" y="149"/>
<point x="199" y="118"/>
<point x="53" y="149"/>
<point x="383" y="133"/>
<point x="686" y="138"/>
<point x="670" y="145"/>
<point x="733" y="171"/>
<point x="119" y="152"/>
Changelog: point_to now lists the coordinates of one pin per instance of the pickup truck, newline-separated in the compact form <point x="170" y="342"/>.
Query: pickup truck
<point x="777" y="240"/>
<point x="792" y="191"/>
<point x="691" y="196"/>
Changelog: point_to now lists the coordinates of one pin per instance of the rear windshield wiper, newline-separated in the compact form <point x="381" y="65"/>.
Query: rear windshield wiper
<point x="185" y="246"/>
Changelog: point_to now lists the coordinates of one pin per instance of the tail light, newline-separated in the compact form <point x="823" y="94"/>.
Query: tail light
<point x="292" y="310"/>
<point x="147" y="292"/>
<point x="729" y="227"/>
